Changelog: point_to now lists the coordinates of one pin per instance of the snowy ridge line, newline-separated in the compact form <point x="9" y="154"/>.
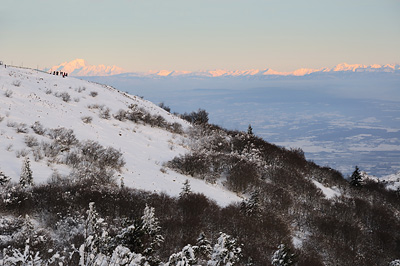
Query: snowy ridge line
<point x="28" y="68"/>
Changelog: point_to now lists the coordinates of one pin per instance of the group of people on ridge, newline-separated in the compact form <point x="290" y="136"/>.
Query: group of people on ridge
<point x="63" y="74"/>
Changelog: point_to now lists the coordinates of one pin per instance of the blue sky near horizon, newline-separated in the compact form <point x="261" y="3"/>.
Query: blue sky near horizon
<point x="140" y="35"/>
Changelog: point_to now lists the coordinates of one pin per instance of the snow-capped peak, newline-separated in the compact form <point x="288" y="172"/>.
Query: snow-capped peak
<point x="79" y="67"/>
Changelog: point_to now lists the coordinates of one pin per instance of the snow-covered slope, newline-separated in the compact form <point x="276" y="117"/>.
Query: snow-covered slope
<point x="28" y="96"/>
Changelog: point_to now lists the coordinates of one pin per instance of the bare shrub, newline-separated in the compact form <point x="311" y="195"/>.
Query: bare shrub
<point x="241" y="175"/>
<point x="31" y="141"/>
<point x="12" y="124"/>
<point x="64" y="96"/>
<point x="76" y="99"/>
<point x="80" y="89"/>
<point x="1" y="118"/>
<point x="163" y="106"/>
<point x="22" y="128"/>
<point x="95" y="106"/>
<point x="16" y="83"/>
<point x="63" y="136"/>
<point x="37" y="153"/>
<point x="87" y="119"/>
<point x="105" y="113"/>
<point x="8" y="93"/>
<point x="120" y="115"/>
<point x="199" y="117"/>
<point x="90" y="160"/>
<point x="50" y="149"/>
<point x="93" y="93"/>
<point x="38" y="128"/>
<point x="9" y="147"/>
<point x="196" y="164"/>
<point x="22" y="153"/>
<point x="176" y="128"/>
<point x="48" y="91"/>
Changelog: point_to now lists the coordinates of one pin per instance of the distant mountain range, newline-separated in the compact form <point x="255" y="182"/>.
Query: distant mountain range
<point x="79" y="67"/>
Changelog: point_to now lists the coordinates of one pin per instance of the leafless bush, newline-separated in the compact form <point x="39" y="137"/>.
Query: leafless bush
<point x="90" y="160"/>
<point x="16" y="83"/>
<point x="11" y="124"/>
<point x="105" y="113"/>
<point x="9" y="147"/>
<point x="8" y="93"/>
<point x="120" y="115"/>
<point x="22" y="128"/>
<point x="63" y="136"/>
<point x="241" y="175"/>
<point x="163" y="106"/>
<point x="95" y="106"/>
<point x="48" y="91"/>
<point x="31" y="141"/>
<point x="176" y="128"/>
<point x="38" y="128"/>
<point x="64" y="96"/>
<point x="87" y="119"/>
<point x="1" y="118"/>
<point x="50" y="149"/>
<point x="76" y="99"/>
<point x="80" y="89"/>
<point x="93" y="93"/>
<point x="196" y="164"/>
<point x="37" y="153"/>
<point x="21" y="153"/>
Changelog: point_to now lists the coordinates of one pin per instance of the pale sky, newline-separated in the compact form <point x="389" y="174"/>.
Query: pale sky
<point x="141" y="35"/>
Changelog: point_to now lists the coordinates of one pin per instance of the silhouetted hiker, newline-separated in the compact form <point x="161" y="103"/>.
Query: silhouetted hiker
<point x="57" y="73"/>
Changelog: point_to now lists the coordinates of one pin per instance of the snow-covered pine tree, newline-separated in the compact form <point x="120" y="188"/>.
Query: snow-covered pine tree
<point x="252" y="205"/>
<point x="3" y="179"/>
<point x="186" y="257"/>
<point x="283" y="256"/>
<point x="204" y="249"/>
<point x="131" y="237"/>
<point x="26" y="178"/>
<point x="394" y="263"/>
<point x="356" y="178"/>
<point x="186" y="190"/>
<point x="151" y="227"/>
<point x="96" y="237"/>
<point x="225" y="251"/>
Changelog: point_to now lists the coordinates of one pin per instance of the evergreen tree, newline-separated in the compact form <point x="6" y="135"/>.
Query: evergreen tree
<point x="356" y="178"/>
<point x="186" y="257"/>
<point x="3" y="179"/>
<point x="131" y="237"/>
<point x="204" y="248"/>
<point x="26" y="178"/>
<point x="250" y="130"/>
<point x="186" y="190"/>
<point x="394" y="263"/>
<point x="96" y="237"/>
<point x="151" y="228"/>
<point x="283" y="256"/>
<point x="225" y="251"/>
<point x="252" y="205"/>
